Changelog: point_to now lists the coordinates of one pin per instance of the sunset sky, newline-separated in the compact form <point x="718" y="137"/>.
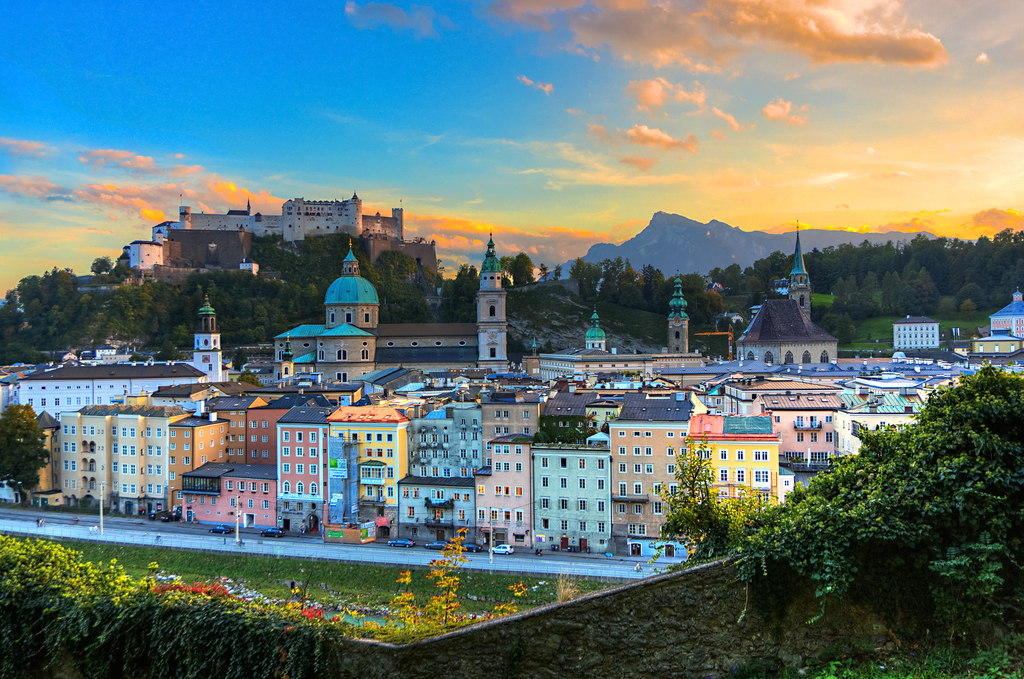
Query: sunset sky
<point x="555" y="123"/>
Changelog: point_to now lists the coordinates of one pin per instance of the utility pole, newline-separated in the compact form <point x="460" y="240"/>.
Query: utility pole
<point x="238" y="508"/>
<point x="490" y="537"/>
<point x="102" y="484"/>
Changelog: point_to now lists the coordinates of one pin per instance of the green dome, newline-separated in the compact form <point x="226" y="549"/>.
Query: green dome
<point x="351" y="290"/>
<point x="491" y="263"/>
<point x="595" y="333"/>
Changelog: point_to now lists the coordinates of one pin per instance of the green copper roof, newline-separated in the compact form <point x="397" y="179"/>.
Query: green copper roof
<point x="287" y="355"/>
<point x="350" y="257"/>
<point x="206" y="309"/>
<point x="595" y="333"/>
<point x="798" y="259"/>
<point x="677" y="304"/>
<point x="491" y="263"/>
<point x="351" y="290"/>
<point x="346" y="330"/>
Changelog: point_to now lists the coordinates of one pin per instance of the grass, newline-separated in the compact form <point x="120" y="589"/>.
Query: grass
<point x="880" y="327"/>
<point x="353" y="585"/>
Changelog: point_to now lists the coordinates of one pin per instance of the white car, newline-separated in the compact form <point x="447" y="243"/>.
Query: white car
<point x="503" y="549"/>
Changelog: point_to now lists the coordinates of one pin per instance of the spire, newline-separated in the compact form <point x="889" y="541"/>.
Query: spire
<point x="248" y="207"/>
<point x="491" y="263"/>
<point x="206" y="309"/>
<point x="677" y="304"/>
<point x="798" y="256"/>
<point x="287" y="355"/>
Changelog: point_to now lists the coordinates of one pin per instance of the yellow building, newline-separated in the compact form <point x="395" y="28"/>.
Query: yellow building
<point x="744" y="451"/>
<point x="381" y="435"/>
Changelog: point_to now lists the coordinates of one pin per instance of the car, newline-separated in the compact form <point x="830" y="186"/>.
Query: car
<point x="502" y="549"/>
<point x="167" y="518"/>
<point x="401" y="542"/>
<point x="221" y="528"/>
<point x="437" y="544"/>
<point x="471" y="547"/>
<point x="272" y="533"/>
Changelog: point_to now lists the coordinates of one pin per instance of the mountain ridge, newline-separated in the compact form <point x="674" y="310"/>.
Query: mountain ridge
<point x="674" y="243"/>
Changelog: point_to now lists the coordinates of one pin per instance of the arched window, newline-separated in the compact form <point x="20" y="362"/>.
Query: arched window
<point x="807" y="357"/>
<point x="344" y="354"/>
<point x="287" y="487"/>
<point x="366" y="354"/>
<point x="493" y="311"/>
<point x="750" y="355"/>
<point x="298" y="488"/>
<point x="332" y="318"/>
<point x="366" y="317"/>
<point x="339" y="354"/>
<point x="801" y="301"/>
<point x="789" y="357"/>
<point x="286" y="371"/>
<point x="320" y="354"/>
<point x="312" y="489"/>
<point x="824" y="357"/>
<point x="348" y="317"/>
<point x="677" y="334"/>
<point x="768" y="357"/>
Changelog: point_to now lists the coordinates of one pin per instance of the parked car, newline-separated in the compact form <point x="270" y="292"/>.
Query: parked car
<point x="166" y="518"/>
<point x="472" y="547"/>
<point x="221" y="528"/>
<point x="437" y="544"/>
<point x="401" y="542"/>
<point x="272" y="533"/>
<point x="503" y="549"/>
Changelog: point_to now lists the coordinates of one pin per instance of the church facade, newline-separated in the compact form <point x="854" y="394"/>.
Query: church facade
<point x="782" y="331"/>
<point x="351" y="342"/>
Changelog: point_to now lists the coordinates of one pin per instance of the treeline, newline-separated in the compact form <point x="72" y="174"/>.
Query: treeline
<point x="51" y="312"/>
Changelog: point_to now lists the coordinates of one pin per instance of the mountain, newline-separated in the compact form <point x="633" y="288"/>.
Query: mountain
<point x="674" y="243"/>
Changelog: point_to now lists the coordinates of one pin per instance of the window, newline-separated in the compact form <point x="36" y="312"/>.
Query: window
<point x="723" y="475"/>
<point x="638" y="469"/>
<point x="670" y="469"/>
<point x="648" y="469"/>
<point x="621" y="508"/>
<point x="544" y="481"/>
<point x="723" y="455"/>
<point x="760" y="455"/>
<point x="622" y="449"/>
<point x="638" y="509"/>
<point x="741" y="455"/>
<point x="563" y="504"/>
<point x="741" y="476"/>
<point x="657" y="508"/>
<point x="638" y="488"/>
<point x="581" y="505"/>
<point x="286" y="468"/>
<point x="583" y="484"/>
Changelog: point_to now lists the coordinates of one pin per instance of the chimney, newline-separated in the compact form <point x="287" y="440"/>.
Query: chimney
<point x="213" y="416"/>
<point x="200" y="408"/>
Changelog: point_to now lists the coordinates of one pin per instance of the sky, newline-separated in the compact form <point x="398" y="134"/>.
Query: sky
<point x="554" y="124"/>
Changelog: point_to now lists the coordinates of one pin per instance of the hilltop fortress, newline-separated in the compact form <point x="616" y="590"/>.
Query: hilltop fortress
<point x="224" y="241"/>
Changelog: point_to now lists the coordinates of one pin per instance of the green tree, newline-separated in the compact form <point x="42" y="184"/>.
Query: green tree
<point x="168" y="352"/>
<point x="458" y="296"/>
<point x="544" y="271"/>
<point x="891" y="288"/>
<point x="968" y="309"/>
<point x="947" y="308"/>
<point x="522" y="269"/>
<point x="22" y="449"/>
<point x="101" y="265"/>
<point x="556" y="273"/>
<point x="588" y="275"/>
<point x="239" y="359"/>
<point x="845" y="329"/>
<point x="249" y="377"/>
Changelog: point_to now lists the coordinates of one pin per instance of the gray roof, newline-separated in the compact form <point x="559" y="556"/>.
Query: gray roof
<point x="290" y="401"/>
<point x="305" y="415"/>
<point x="230" y="403"/>
<point x="117" y="371"/>
<point x="780" y="320"/>
<point x="570" y="404"/>
<point x="914" y="319"/>
<point x="641" y="408"/>
<point x="195" y="422"/>
<point x="243" y="471"/>
<point x="456" y="481"/>
<point x="143" y="411"/>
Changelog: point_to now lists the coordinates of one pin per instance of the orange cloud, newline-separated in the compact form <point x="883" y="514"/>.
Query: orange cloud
<point x="694" y="32"/>
<point x="639" y="162"/>
<point x="780" y="109"/>
<point x="641" y="135"/>
<point x="736" y="127"/>
<point x="600" y="134"/>
<point x="720" y="136"/>
<point x="997" y="220"/>
<point x="543" y="87"/>
<point x="21" y="147"/>
<point x="574" y="111"/>
<point x="419" y="19"/>
<point x="124" y="159"/>
<point x="184" y="170"/>
<point x="652" y="93"/>
<point x="982" y="59"/>
<point x="33" y="187"/>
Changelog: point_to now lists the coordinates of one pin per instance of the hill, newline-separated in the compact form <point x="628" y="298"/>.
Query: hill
<point x="675" y="243"/>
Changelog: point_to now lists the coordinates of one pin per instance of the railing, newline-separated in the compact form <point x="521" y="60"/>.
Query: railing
<point x="372" y="501"/>
<point x="630" y="498"/>
<point x="439" y="504"/>
<point x="806" y="425"/>
<point x="617" y="569"/>
<point x="438" y="523"/>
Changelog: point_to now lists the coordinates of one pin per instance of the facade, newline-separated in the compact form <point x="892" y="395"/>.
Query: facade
<point x="999" y="342"/>
<point x="782" y="331"/>
<point x="504" y="496"/>
<point x="678" y="322"/>
<point x="645" y="439"/>
<point x="915" y="332"/>
<point x="757" y="396"/>
<point x="206" y="356"/>
<point x="805" y="423"/>
<point x="261" y="440"/>
<point x="744" y="451"/>
<point x="447" y="443"/>
<point x="234" y="410"/>
<point x="351" y="342"/>
<point x="302" y="435"/>
<point x="194" y="442"/>
<point x="872" y="411"/>
<point x="436" y="508"/>
<point x="572" y="497"/>
<point x="382" y="436"/>
<point x="226" y="493"/>
<point x="1010" y="319"/>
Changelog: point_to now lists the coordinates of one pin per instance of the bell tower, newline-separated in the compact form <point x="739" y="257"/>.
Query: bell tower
<point x="206" y="349"/>
<point x="678" y="322"/>
<point x="799" y="281"/>
<point x="491" y="324"/>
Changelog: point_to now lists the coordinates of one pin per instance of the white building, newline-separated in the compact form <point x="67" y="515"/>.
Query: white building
<point x="915" y="332"/>
<point x="143" y="255"/>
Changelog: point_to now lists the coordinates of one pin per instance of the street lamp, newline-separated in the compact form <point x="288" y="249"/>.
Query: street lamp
<point x="238" y="506"/>
<point x="102" y="485"/>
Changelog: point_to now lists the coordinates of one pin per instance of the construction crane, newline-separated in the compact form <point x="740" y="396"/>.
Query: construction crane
<point x="726" y="333"/>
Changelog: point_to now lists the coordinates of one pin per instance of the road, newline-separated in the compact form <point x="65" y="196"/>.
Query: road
<point x="140" y="532"/>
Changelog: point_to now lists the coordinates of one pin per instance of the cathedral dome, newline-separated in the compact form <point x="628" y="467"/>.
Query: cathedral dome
<point x="595" y="333"/>
<point x="351" y="290"/>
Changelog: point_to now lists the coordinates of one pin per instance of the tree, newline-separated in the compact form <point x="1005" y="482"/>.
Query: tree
<point x="22" y="449"/>
<point x="522" y="269"/>
<point x="137" y="358"/>
<point x="249" y="377"/>
<point x="101" y="265"/>
<point x="239" y="359"/>
<point x="556" y="274"/>
<point x="968" y="309"/>
<point x="891" y="288"/>
<point x="588" y="275"/>
<point x="845" y="329"/>
<point x="947" y="308"/>
<point x="544" y="271"/>
<point x="168" y="352"/>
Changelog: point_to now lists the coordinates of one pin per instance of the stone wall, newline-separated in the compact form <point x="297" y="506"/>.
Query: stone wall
<point x="686" y="625"/>
<point x="424" y="252"/>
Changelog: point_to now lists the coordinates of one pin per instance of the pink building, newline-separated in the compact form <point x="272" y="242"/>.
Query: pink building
<point x="504" y="492"/>
<point x="215" y="491"/>
<point x="302" y="440"/>
<point x="805" y="424"/>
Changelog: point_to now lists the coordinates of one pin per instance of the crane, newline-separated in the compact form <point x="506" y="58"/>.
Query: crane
<point x="726" y="333"/>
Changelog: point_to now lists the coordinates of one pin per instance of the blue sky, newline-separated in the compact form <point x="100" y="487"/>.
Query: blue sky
<point x="554" y="123"/>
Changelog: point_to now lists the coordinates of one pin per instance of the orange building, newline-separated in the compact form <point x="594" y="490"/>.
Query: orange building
<point x="194" y="441"/>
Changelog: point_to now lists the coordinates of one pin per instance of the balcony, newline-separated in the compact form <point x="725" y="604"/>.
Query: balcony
<point x="376" y="501"/>
<point x="432" y="522"/>
<point x="807" y="426"/>
<point x="439" y="504"/>
<point x="630" y="498"/>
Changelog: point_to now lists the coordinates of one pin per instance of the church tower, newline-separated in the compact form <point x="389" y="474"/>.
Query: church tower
<point x="595" y="338"/>
<point x="491" y="325"/>
<point x="287" y="360"/>
<point x="799" y="281"/>
<point x="206" y="352"/>
<point x="678" y="322"/>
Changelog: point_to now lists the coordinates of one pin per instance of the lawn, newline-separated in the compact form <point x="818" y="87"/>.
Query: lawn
<point x="351" y="585"/>
<point x="880" y="327"/>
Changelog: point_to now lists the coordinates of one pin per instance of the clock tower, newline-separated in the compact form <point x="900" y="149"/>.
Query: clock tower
<point x="678" y="322"/>
<point x="206" y="350"/>
<point x="492" y="326"/>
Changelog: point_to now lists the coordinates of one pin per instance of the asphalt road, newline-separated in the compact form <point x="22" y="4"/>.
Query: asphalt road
<point x="176" y="535"/>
